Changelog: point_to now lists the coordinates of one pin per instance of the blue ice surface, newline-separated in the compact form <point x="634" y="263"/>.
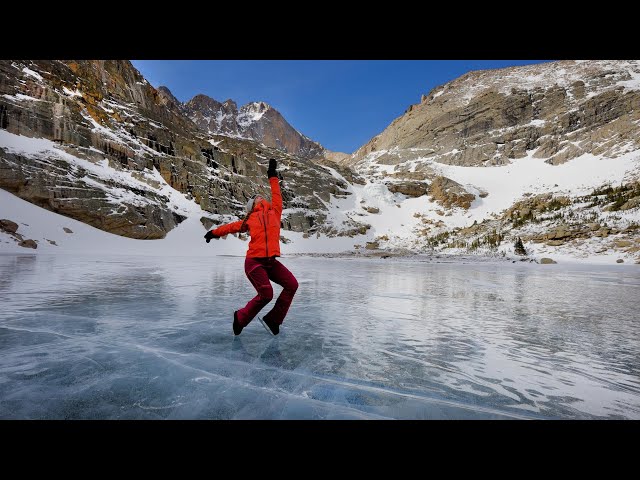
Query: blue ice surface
<point x="121" y="337"/>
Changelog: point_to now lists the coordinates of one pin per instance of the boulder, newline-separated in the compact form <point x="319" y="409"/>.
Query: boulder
<point x="632" y="203"/>
<point x="449" y="193"/>
<point x="547" y="261"/>
<point x="28" y="244"/>
<point x="8" y="226"/>
<point x="410" y="189"/>
<point x="623" y="243"/>
<point x="208" y="223"/>
<point x="559" y="233"/>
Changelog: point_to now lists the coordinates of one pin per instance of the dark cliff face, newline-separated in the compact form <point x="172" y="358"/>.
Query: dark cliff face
<point x="107" y="114"/>
<point x="257" y="121"/>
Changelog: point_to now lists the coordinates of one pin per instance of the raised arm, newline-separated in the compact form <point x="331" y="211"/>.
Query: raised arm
<point x="276" y="196"/>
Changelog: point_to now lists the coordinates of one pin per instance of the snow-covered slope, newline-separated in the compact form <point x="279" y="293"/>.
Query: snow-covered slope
<point x="47" y="228"/>
<point x="57" y="234"/>
<point x="96" y="110"/>
<point x="598" y="77"/>
<point x="561" y="109"/>
<point x="399" y="221"/>
<point x="568" y="186"/>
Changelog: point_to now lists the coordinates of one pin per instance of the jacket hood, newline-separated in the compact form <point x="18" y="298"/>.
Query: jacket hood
<point x="254" y="204"/>
<point x="260" y="205"/>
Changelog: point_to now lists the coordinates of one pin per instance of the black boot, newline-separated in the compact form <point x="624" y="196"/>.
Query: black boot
<point x="272" y="328"/>
<point x="237" y="328"/>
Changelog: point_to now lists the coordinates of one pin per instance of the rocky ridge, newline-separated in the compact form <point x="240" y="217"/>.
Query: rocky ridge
<point x="257" y="121"/>
<point x="114" y="142"/>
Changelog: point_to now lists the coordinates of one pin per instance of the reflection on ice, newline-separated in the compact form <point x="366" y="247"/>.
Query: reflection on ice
<point x="150" y="338"/>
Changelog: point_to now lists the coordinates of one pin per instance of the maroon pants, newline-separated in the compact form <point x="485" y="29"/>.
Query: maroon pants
<point x="260" y="271"/>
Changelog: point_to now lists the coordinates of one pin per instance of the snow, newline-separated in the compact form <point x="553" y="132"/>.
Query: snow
<point x="402" y="218"/>
<point x="121" y="136"/>
<point x="43" y="148"/>
<point x="28" y="145"/>
<point x="70" y="93"/>
<point x="245" y="120"/>
<point x="187" y="237"/>
<point x="531" y="77"/>
<point x="506" y="184"/>
<point x="31" y="73"/>
<point x="18" y="97"/>
<point x="566" y="254"/>
<point x="251" y="113"/>
<point x="399" y="217"/>
<point x="42" y="225"/>
<point x="634" y="83"/>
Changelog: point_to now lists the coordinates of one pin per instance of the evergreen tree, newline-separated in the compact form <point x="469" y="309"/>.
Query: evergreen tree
<point x="519" y="247"/>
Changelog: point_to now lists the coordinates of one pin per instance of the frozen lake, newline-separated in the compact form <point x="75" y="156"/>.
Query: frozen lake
<point x="123" y="337"/>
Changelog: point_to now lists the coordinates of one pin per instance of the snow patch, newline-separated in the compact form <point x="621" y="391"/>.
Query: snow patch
<point x="31" y="73"/>
<point x="251" y="113"/>
<point x="75" y="93"/>
<point x="19" y="97"/>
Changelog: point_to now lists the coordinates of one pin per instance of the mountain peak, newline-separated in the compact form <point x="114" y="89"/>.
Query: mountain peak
<point x="166" y="97"/>
<point x="257" y="107"/>
<point x="252" y="112"/>
<point x="250" y="121"/>
<point x="204" y="100"/>
<point x="228" y="103"/>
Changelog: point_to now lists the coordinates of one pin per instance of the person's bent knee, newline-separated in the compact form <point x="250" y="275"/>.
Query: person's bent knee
<point x="266" y="293"/>
<point x="292" y="286"/>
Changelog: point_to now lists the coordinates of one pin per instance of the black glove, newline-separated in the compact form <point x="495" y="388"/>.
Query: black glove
<point x="209" y="235"/>
<point x="271" y="172"/>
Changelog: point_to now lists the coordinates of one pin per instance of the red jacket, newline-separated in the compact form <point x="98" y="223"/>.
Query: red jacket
<point x="263" y="225"/>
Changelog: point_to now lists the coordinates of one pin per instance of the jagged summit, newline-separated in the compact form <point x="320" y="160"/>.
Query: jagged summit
<point x="256" y="120"/>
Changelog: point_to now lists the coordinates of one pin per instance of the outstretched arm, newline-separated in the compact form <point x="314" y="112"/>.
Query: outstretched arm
<point x="222" y="230"/>
<point x="276" y="196"/>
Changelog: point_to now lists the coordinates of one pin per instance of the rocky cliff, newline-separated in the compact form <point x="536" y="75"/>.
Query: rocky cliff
<point x="93" y="140"/>
<point x="256" y="121"/>
<point x="546" y="155"/>
<point x="467" y="144"/>
<point x="556" y="110"/>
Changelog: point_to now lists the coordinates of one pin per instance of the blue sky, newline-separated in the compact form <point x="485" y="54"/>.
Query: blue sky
<point x="341" y="104"/>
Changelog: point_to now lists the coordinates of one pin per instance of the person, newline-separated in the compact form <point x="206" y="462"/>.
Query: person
<point x="262" y="221"/>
